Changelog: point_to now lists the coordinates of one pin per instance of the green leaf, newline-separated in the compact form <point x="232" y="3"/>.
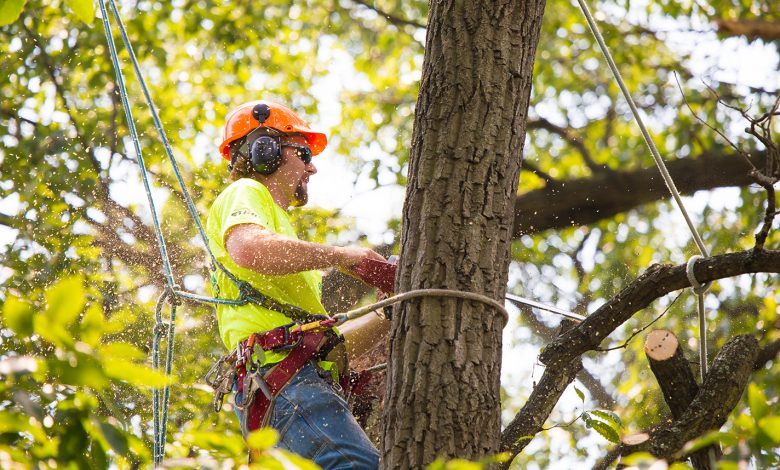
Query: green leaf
<point x="606" y="431"/>
<point x="135" y="374"/>
<point x="298" y="462"/>
<point x="10" y="11"/>
<point x="121" y="350"/>
<point x="714" y="437"/>
<point x="457" y="464"/>
<point x="17" y="423"/>
<point x="78" y="369"/>
<point x="114" y="437"/>
<point x="771" y="426"/>
<point x="757" y="402"/>
<point x="17" y="315"/>
<point x="680" y="466"/>
<point x="65" y="300"/>
<point x="608" y="417"/>
<point x="92" y="325"/>
<point x="579" y="394"/>
<point x="84" y="10"/>
<point x="52" y="332"/>
<point x="218" y="442"/>
<point x="262" y="439"/>
<point x="639" y="459"/>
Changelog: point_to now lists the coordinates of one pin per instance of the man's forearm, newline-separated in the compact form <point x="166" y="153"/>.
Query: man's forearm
<point x="253" y="247"/>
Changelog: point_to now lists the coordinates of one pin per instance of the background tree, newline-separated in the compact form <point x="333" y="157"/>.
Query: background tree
<point x="591" y="211"/>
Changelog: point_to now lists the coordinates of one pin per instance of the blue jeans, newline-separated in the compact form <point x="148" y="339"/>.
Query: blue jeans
<point x="314" y="421"/>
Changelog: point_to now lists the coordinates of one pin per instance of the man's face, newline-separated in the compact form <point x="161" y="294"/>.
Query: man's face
<point x="293" y="173"/>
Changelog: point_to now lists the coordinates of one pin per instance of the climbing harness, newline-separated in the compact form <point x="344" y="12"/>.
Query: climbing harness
<point x="698" y="289"/>
<point x="253" y="379"/>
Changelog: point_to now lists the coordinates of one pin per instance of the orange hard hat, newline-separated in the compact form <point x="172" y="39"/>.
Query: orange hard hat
<point x="261" y="113"/>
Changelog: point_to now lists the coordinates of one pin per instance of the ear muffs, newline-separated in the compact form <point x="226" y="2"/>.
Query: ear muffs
<point x="265" y="154"/>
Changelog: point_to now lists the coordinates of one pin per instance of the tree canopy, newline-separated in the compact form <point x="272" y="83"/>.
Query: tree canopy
<point x="81" y="272"/>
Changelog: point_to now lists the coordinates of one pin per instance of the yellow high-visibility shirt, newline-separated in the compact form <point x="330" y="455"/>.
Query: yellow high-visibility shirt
<point x="247" y="201"/>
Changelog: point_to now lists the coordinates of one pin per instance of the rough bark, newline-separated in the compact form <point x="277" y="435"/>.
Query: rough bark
<point x="718" y="395"/>
<point x="445" y="355"/>
<point x="677" y="383"/>
<point x="582" y="201"/>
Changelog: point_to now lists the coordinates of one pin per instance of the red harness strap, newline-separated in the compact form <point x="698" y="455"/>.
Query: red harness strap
<point x="276" y="378"/>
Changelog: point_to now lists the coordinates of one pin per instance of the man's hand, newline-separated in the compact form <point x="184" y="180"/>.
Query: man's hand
<point x="349" y="256"/>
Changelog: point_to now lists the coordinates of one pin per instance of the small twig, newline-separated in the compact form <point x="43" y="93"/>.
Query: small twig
<point x="612" y="348"/>
<point x="548" y="179"/>
<point x="391" y="18"/>
<point x="574" y="139"/>
<point x="769" y="216"/>
<point x="721" y="134"/>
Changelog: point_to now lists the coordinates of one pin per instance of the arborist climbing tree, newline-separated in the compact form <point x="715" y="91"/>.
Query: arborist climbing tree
<point x="283" y="377"/>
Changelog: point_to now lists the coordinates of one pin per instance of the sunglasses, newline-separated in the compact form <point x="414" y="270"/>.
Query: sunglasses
<point x="303" y="152"/>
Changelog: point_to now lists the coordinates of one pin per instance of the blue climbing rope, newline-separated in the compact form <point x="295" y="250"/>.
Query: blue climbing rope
<point x="160" y="407"/>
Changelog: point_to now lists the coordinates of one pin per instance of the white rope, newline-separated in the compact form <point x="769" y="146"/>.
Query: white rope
<point x="698" y="288"/>
<point x="546" y="308"/>
<point x="359" y="312"/>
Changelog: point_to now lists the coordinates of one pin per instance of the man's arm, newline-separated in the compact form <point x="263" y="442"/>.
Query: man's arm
<point x="253" y="247"/>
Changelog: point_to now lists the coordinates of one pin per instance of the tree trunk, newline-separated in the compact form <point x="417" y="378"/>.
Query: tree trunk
<point x="445" y="354"/>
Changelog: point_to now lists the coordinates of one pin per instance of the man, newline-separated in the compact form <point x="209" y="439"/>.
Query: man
<point x="270" y="150"/>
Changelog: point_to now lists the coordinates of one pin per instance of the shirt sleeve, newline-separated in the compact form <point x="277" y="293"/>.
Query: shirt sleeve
<point x="247" y="203"/>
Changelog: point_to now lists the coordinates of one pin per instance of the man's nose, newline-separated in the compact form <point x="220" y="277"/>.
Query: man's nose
<point x="310" y="168"/>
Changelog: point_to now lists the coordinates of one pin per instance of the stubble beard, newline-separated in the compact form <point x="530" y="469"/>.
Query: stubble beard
<point x="301" y="196"/>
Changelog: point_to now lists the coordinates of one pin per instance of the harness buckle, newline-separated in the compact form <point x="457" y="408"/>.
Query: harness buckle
<point x="287" y="333"/>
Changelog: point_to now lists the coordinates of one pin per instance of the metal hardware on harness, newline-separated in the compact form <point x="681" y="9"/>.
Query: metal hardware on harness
<point x="287" y="345"/>
<point x="221" y="378"/>
<point x="253" y="381"/>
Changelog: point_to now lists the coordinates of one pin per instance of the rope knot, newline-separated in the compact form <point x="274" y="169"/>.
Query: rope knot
<point x="698" y="287"/>
<point x="161" y="329"/>
<point x="172" y="297"/>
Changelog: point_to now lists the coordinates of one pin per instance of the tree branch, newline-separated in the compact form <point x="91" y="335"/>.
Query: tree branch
<point x="656" y="282"/>
<point x="751" y="29"/>
<point x="766" y="354"/>
<point x="597" y="391"/>
<point x="717" y="396"/>
<point x="678" y="385"/>
<point x="7" y="220"/>
<point x="529" y="421"/>
<point x="391" y="18"/>
<point x="584" y="201"/>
